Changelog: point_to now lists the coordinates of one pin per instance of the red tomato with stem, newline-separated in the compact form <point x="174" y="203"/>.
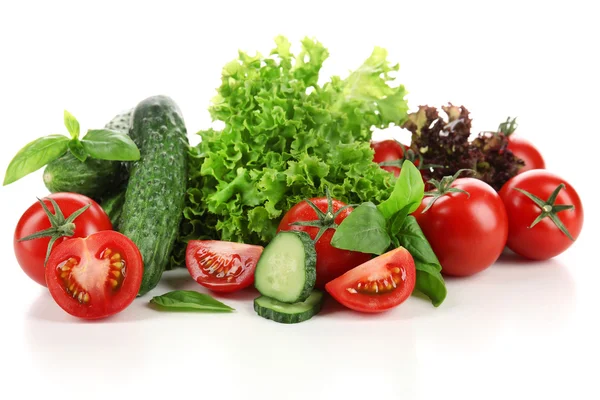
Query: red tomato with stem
<point x="380" y="284"/>
<point x="319" y="217"/>
<point x="545" y="214"/>
<point x="389" y="151"/>
<point x="56" y="227"/>
<point x="466" y="224"/>
<point x="222" y="266"/>
<point x="96" y="276"/>
<point x="522" y="148"/>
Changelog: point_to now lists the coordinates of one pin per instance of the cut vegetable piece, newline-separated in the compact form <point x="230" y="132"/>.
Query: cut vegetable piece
<point x="286" y="313"/>
<point x="286" y="270"/>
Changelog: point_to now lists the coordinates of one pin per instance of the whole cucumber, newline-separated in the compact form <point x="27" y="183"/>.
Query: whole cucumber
<point x="93" y="178"/>
<point x="155" y="194"/>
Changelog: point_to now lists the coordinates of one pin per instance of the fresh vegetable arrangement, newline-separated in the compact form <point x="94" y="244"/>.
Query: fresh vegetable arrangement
<point x="291" y="199"/>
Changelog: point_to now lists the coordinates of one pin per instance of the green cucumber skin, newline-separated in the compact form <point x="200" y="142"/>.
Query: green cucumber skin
<point x="113" y="206"/>
<point x="155" y="194"/>
<point x="310" y="265"/>
<point x="283" y="318"/>
<point x="93" y="178"/>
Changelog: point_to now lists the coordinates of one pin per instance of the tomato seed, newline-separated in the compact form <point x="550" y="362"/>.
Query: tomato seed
<point x="380" y="286"/>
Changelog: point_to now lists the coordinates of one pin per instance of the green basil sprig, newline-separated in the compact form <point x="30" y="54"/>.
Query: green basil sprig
<point x="375" y="230"/>
<point x="189" y="300"/>
<point x="100" y="144"/>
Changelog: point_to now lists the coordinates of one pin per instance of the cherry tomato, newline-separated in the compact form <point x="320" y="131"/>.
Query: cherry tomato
<point x="388" y="150"/>
<point x="222" y="266"/>
<point x="378" y="285"/>
<point x="545" y="239"/>
<point x="96" y="276"/>
<point x="466" y="232"/>
<point x="31" y="254"/>
<point x="331" y="261"/>
<point x="527" y="152"/>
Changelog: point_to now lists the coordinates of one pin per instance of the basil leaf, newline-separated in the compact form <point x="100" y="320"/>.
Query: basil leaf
<point x="408" y="191"/>
<point x="430" y="282"/>
<point x="363" y="230"/>
<point x="189" y="300"/>
<point x="397" y="221"/>
<point x="413" y="239"/>
<point x="77" y="149"/>
<point x="35" y="155"/>
<point x="110" y="145"/>
<point x="429" y="278"/>
<point x="72" y="125"/>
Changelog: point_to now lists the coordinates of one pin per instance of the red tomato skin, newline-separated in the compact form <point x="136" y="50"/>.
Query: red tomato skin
<point x="31" y="254"/>
<point x="388" y="150"/>
<point x="527" y="152"/>
<point x="331" y="261"/>
<point x="467" y="233"/>
<point x="250" y="253"/>
<point x="94" y="244"/>
<point x="544" y="240"/>
<point x="375" y="303"/>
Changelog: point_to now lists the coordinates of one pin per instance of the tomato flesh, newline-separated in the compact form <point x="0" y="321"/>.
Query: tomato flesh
<point x="377" y="285"/>
<point x="95" y="277"/>
<point x="31" y="254"/>
<point x="222" y="266"/>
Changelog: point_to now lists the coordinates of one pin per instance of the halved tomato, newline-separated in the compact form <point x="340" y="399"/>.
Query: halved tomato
<point x="222" y="266"/>
<point x="96" y="276"/>
<point x="379" y="284"/>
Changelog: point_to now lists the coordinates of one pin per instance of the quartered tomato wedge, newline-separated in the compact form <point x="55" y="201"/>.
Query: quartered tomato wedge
<point x="96" y="276"/>
<point x="379" y="284"/>
<point x="222" y="266"/>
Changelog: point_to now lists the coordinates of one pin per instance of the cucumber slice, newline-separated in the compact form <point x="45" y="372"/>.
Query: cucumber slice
<point x="286" y="270"/>
<point x="286" y="313"/>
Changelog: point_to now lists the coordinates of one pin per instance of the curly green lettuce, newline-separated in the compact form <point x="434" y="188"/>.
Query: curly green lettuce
<point x="286" y="138"/>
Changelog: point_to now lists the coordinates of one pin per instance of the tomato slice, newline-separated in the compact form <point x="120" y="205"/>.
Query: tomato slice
<point x="222" y="266"/>
<point x="96" y="276"/>
<point x="378" y="285"/>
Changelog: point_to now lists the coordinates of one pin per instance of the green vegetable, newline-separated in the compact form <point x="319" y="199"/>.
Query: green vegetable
<point x="154" y="199"/>
<point x="94" y="178"/>
<point x="367" y="226"/>
<point x="44" y="150"/>
<point x="289" y="313"/>
<point x="189" y="300"/>
<point x="286" y="270"/>
<point x="113" y="207"/>
<point x="374" y="230"/>
<point x="286" y="138"/>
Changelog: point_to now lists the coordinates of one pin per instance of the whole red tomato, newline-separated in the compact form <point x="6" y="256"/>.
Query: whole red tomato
<point x="466" y="225"/>
<point x="31" y="254"/>
<point x="521" y="148"/>
<point x="527" y="152"/>
<point x="331" y="261"/>
<point x="545" y="214"/>
<point x="389" y="151"/>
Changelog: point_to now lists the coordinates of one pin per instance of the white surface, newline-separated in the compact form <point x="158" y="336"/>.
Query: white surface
<point x="514" y="331"/>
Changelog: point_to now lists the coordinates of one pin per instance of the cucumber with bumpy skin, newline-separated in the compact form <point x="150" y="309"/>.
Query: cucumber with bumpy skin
<point x="286" y="270"/>
<point x="113" y="206"/>
<point x="157" y="185"/>
<point x="286" y="313"/>
<point x="93" y="178"/>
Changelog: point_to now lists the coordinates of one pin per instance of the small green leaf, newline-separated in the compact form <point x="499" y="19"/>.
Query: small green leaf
<point x="408" y="191"/>
<point x="104" y="144"/>
<point x="429" y="278"/>
<point x="35" y="155"/>
<point x="77" y="149"/>
<point x="72" y="125"/>
<point x="430" y="282"/>
<point x="189" y="300"/>
<point x="364" y="230"/>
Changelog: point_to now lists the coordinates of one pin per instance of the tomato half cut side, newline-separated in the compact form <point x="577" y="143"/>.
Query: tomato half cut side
<point x="222" y="266"/>
<point x="378" y="285"/>
<point x="96" y="276"/>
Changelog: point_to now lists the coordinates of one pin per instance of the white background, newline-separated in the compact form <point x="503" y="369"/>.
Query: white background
<point x="517" y="330"/>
